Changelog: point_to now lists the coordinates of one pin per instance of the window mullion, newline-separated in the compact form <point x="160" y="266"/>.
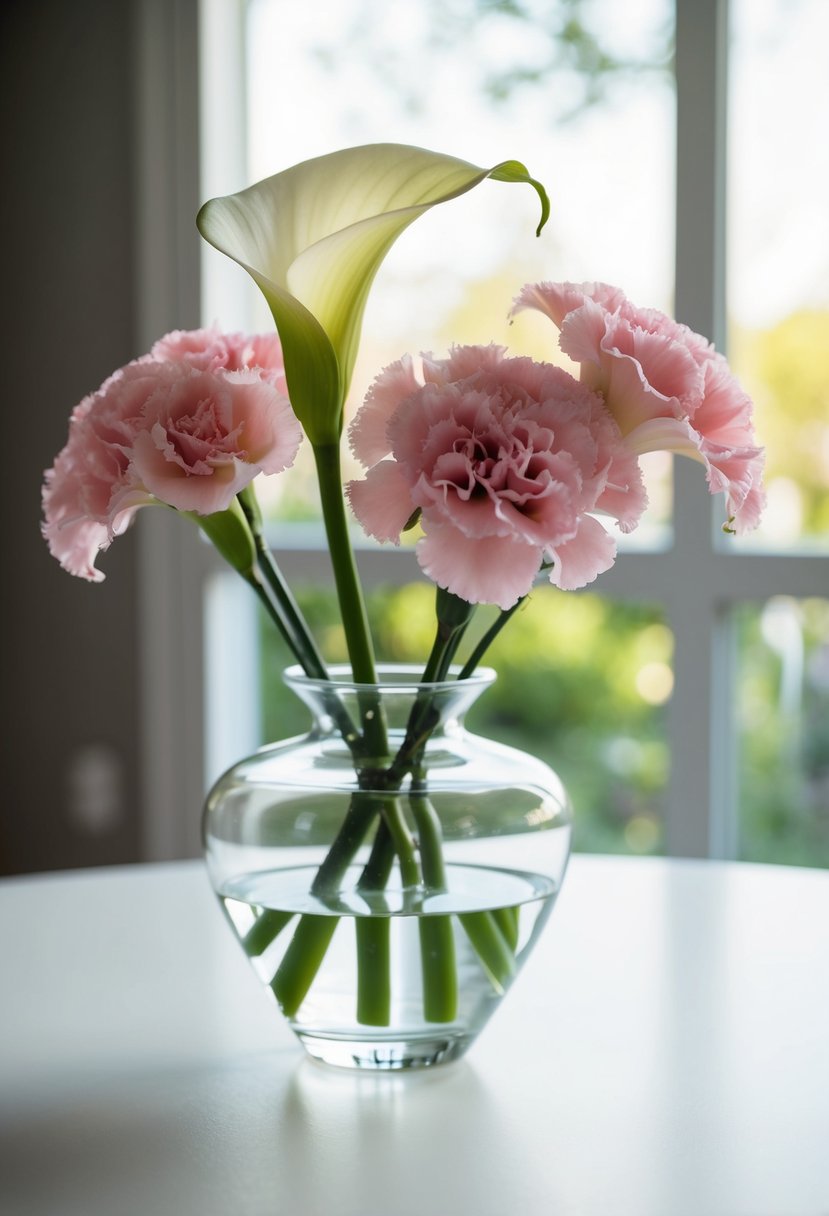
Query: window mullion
<point x="699" y="721"/>
<point x="701" y="88"/>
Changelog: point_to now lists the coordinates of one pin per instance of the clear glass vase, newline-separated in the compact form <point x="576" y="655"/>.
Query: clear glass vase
<point x="389" y="872"/>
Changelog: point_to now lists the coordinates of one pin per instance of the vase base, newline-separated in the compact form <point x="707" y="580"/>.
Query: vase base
<point x="385" y="1055"/>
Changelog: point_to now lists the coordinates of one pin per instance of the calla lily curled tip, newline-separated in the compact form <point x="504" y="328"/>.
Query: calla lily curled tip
<point x="314" y="236"/>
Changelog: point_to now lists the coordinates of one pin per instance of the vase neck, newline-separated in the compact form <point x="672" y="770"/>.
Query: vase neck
<point x="396" y="697"/>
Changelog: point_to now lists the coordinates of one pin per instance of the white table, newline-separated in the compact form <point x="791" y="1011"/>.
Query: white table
<point x="666" y="1051"/>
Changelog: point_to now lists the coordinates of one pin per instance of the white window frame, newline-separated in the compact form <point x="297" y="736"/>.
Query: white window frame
<point x="191" y="712"/>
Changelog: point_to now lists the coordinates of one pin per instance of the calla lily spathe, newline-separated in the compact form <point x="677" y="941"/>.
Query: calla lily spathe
<point x="313" y="238"/>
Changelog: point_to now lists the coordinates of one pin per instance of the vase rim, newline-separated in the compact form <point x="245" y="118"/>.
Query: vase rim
<point x="397" y="676"/>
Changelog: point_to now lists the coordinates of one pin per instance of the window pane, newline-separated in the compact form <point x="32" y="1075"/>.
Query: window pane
<point x="580" y="92"/>
<point x="582" y="682"/>
<point x="779" y="254"/>
<point x="784" y="731"/>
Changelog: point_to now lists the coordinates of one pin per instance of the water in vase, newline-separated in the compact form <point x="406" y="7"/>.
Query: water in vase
<point x="394" y="978"/>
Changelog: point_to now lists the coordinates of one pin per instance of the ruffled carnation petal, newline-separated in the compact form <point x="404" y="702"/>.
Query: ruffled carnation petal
<point x="211" y="350"/>
<point x="260" y="351"/>
<point x="504" y="463"/>
<point x="581" y="560"/>
<point x="624" y="496"/>
<point x="179" y="426"/>
<point x="641" y="374"/>
<point x="206" y="436"/>
<point x="205" y="349"/>
<point x="556" y="300"/>
<point x="665" y="385"/>
<point x="724" y="413"/>
<point x="584" y="333"/>
<point x="382" y="501"/>
<point x="738" y="474"/>
<point x="429" y="422"/>
<point x="462" y="363"/>
<point x="746" y="515"/>
<point x="489" y="570"/>
<point x="667" y="369"/>
<point x="269" y="433"/>
<point x="76" y="544"/>
<point x="203" y="487"/>
<point x="367" y="433"/>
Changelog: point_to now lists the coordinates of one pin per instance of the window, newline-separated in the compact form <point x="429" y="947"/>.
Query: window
<point x="778" y="337"/>
<point x="635" y="157"/>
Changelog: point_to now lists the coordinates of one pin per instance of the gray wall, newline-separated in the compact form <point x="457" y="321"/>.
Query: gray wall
<point x="70" y="714"/>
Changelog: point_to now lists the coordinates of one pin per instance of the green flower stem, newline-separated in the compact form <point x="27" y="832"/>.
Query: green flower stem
<point x="363" y="809"/>
<point x="494" y="944"/>
<point x="440" y="976"/>
<point x="373" y="970"/>
<point x="491" y="947"/>
<point x="349" y="591"/>
<point x="350" y="596"/>
<point x="302" y="643"/>
<point x="507" y="920"/>
<point x="307" y="949"/>
<point x="312" y="935"/>
<point x="265" y="929"/>
<point x="422" y="722"/>
<point x="377" y="870"/>
<point x="302" y="960"/>
<point x="374" y="936"/>
<point x="488" y="638"/>
<point x="311" y="660"/>
<point x="264" y="591"/>
<point x="437" y="940"/>
<point x="231" y="533"/>
<point x="393" y="838"/>
<point x="404" y="844"/>
<point x="453" y="616"/>
<point x="430" y="837"/>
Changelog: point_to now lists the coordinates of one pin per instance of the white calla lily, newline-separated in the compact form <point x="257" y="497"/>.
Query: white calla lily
<point x="313" y="238"/>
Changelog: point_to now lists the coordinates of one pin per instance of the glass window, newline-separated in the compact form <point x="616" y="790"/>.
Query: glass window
<point x="584" y="93"/>
<point x="778" y="336"/>
<point x="778" y="264"/>
<point x="783" y="712"/>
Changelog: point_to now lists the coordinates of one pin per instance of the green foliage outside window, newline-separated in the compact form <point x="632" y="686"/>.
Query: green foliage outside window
<point x="783" y="716"/>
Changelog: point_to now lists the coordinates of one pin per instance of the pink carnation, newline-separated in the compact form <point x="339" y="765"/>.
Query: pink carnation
<point x="211" y="350"/>
<point x="664" y="384"/>
<point x="183" y="431"/>
<point x="506" y="459"/>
